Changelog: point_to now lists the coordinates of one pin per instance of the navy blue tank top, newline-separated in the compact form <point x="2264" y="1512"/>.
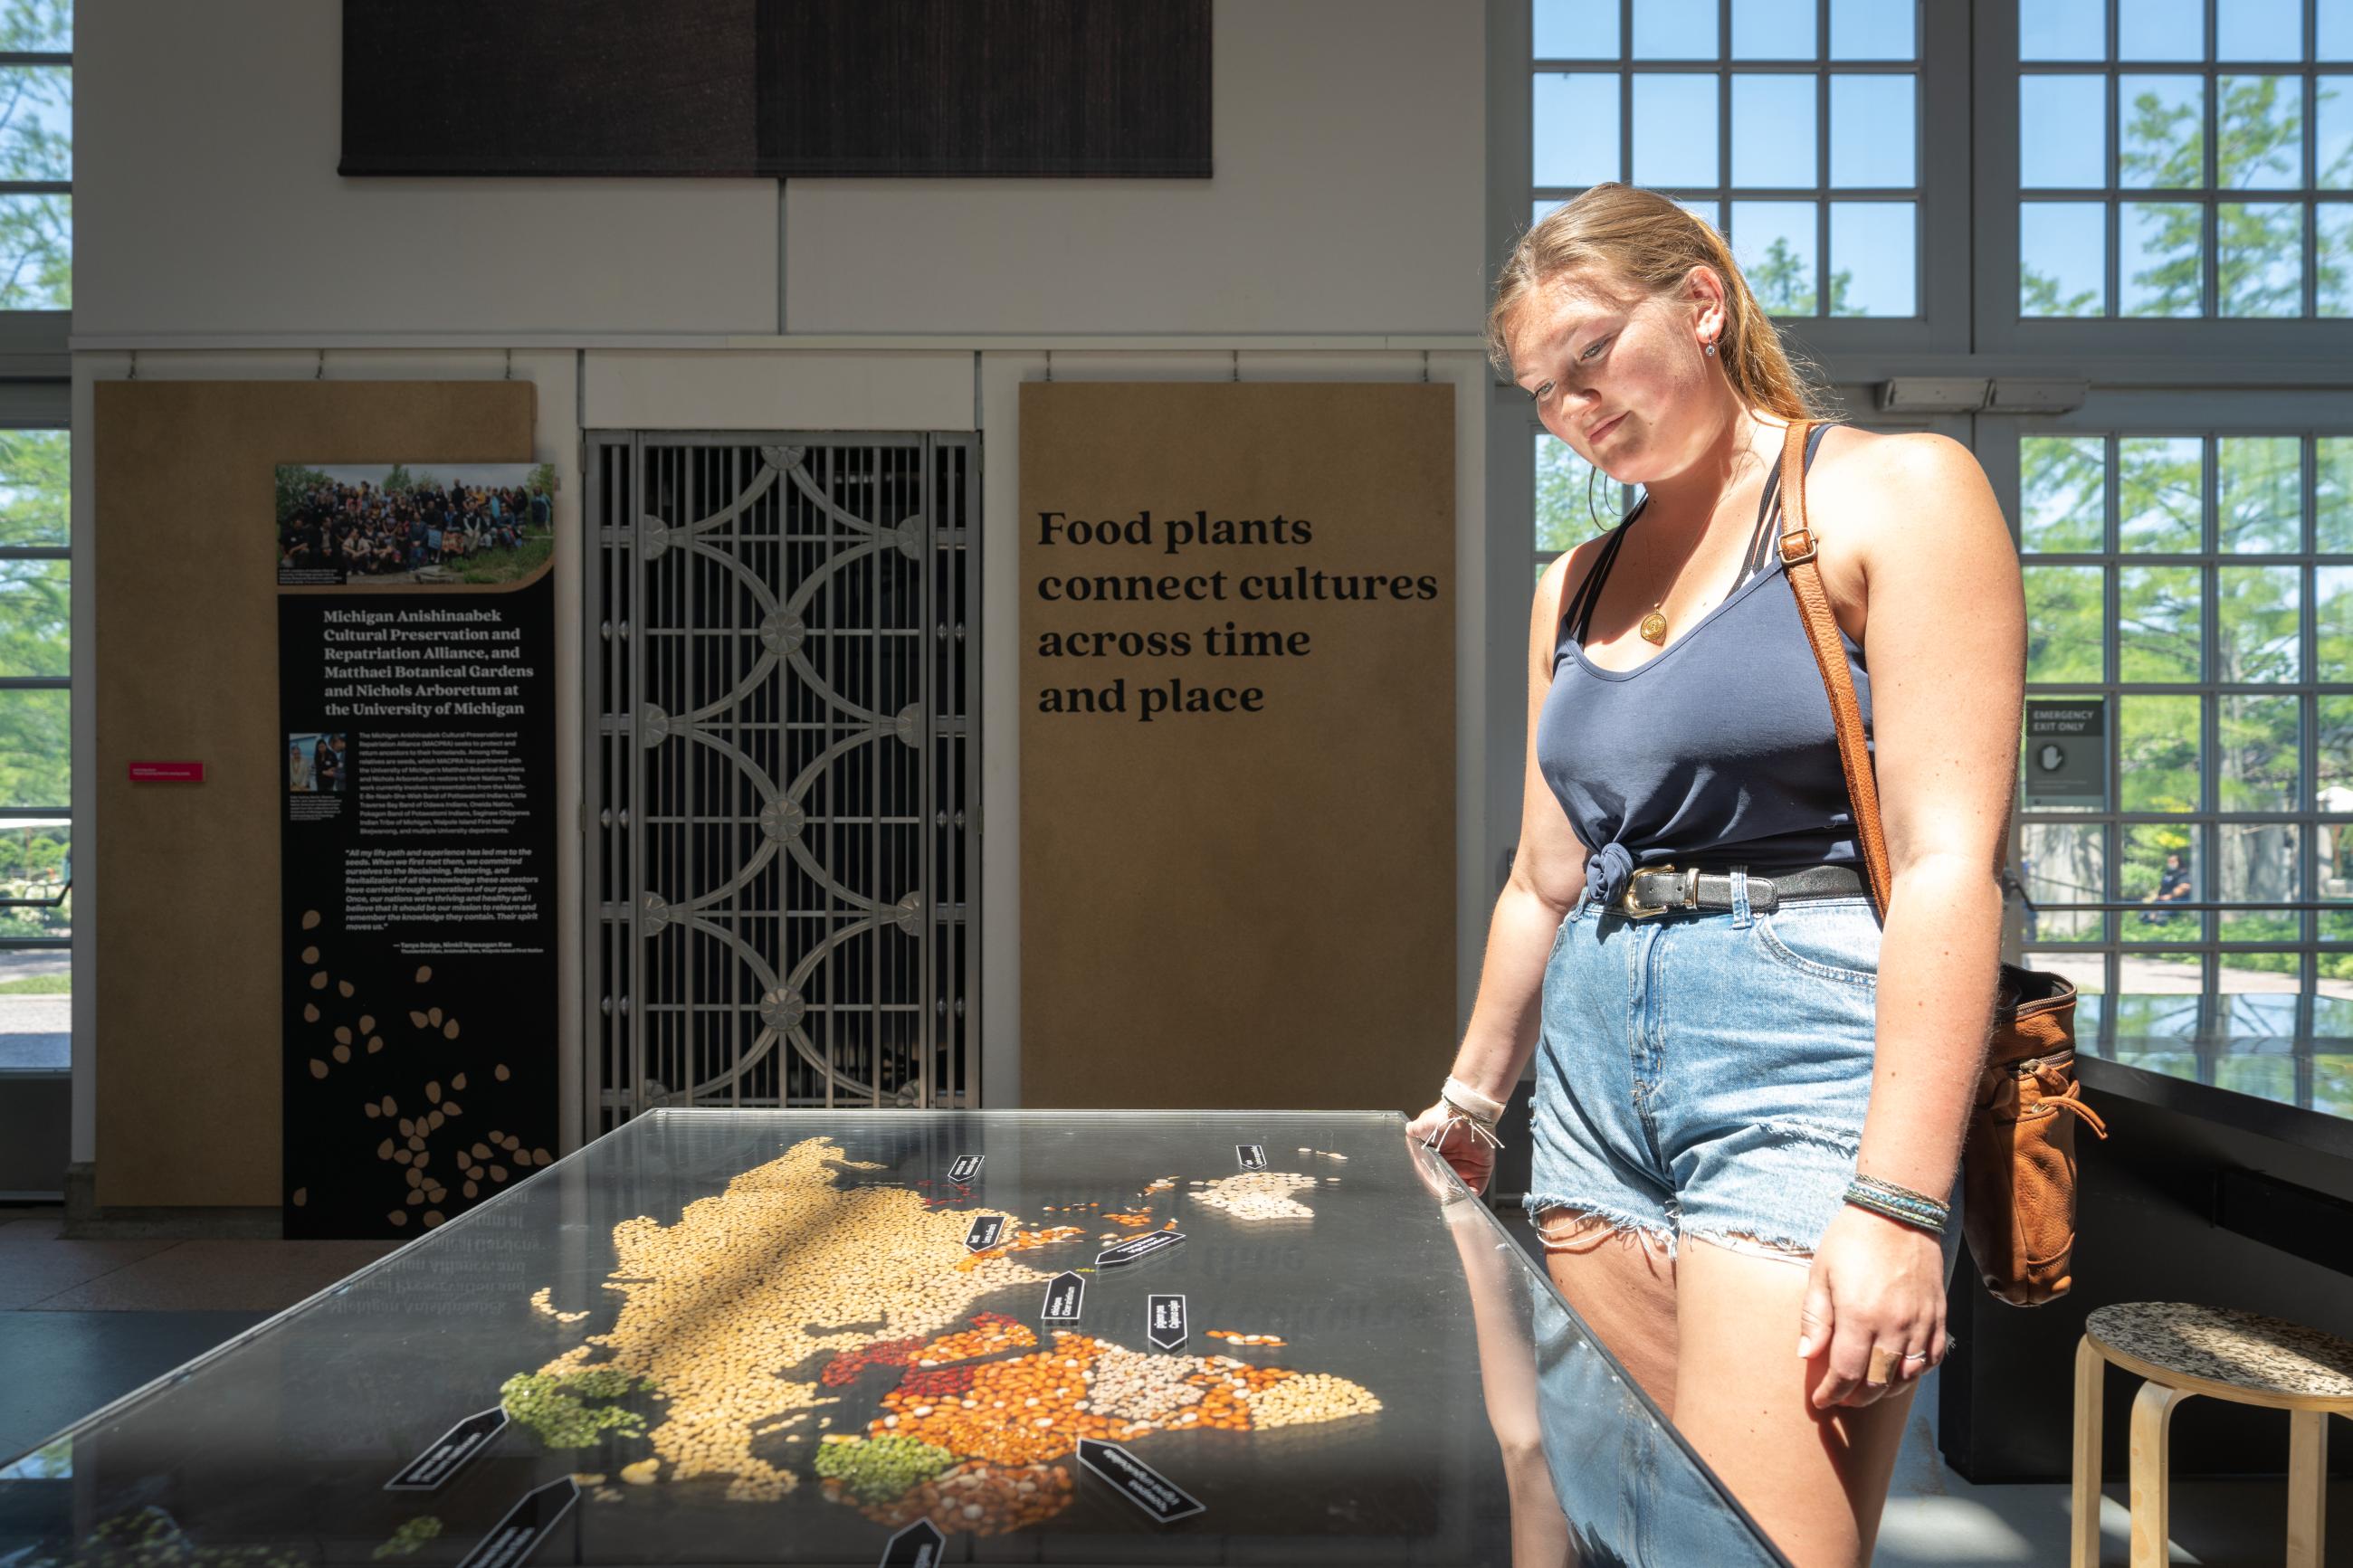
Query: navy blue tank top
<point x="1719" y="749"/>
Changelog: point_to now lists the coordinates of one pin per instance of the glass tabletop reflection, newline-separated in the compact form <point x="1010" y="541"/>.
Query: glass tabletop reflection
<point x="824" y="1337"/>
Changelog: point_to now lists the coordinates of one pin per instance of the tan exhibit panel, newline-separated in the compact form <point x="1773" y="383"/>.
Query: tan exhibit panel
<point x="1237" y="689"/>
<point x="187" y="923"/>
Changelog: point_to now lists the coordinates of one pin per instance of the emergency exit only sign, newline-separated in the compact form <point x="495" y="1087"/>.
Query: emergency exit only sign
<point x="2067" y="752"/>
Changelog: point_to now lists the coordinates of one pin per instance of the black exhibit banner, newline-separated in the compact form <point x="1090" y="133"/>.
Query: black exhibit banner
<point x="416" y="643"/>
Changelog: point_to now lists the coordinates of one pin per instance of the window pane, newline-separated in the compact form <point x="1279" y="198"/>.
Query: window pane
<point x="1544" y="207"/>
<point x="2158" y="481"/>
<point x="35" y="253"/>
<point x="2333" y="139"/>
<point x="2260" y="860"/>
<point x="35" y="618"/>
<point x="2161" y="30"/>
<point x="2332" y="755"/>
<point x="2259" y="249"/>
<point x="2063" y="257"/>
<point x="1774" y="243"/>
<point x="1576" y="29"/>
<point x="2260" y="503"/>
<point x="35" y="858"/>
<point x="2336" y="35"/>
<point x="2259" y="993"/>
<point x="2059" y="492"/>
<point x="1871" y="29"/>
<point x="1873" y="262"/>
<point x="1773" y="29"/>
<point x="1576" y="128"/>
<point x="36" y="121"/>
<point x="2063" y="863"/>
<point x="2162" y="132"/>
<point x="1871" y="131"/>
<point x="2156" y="1009"/>
<point x="36" y="468"/>
<point x="1773" y="130"/>
<point x="2332" y="292"/>
<point x="1674" y="30"/>
<point x="2062" y="131"/>
<point x="2258" y="142"/>
<point x="2259" y="30"/>
<point x="2333" y="491"/>
<point x="2333" y="863"/>
<point x="2260" y="763"/>
<point x="2160" y="867"/>
<point x="2157" y="753"/>
<point x="35" y="1006"/>
<point x="1574" y="501"/>
<point x="2261" y="608"/>
<point x="2064" y="618"/>
<point x="34" y="769"/>
<point x="2161" y="258"/>
<point x="1709" y="213"/>
<point x="2333" y="622"/>
<point x="2064" y="30"/>
<point x="1674" y="129"/>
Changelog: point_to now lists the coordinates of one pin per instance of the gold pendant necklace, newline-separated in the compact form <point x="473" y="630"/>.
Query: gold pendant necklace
<point x="1654" y="626"/>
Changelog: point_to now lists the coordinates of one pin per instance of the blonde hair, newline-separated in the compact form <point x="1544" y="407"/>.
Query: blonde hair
<point x="1636" y="239"/>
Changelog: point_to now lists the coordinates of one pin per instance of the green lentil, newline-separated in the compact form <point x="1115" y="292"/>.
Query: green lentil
<point x="552" y="1406"/>
<point x="877" y="1469"/>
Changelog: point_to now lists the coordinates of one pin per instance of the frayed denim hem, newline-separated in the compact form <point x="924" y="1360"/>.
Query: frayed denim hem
<point x="1611" y="1222"/>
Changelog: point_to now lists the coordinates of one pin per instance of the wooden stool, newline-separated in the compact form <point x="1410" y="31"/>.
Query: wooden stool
<point x="2183" y="1350"/>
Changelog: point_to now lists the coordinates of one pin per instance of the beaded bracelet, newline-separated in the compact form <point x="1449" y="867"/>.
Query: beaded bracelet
<point x="1898" y="1203"/>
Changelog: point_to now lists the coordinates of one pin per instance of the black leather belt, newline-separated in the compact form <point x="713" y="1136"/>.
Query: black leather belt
<point x="1657" y="891"/>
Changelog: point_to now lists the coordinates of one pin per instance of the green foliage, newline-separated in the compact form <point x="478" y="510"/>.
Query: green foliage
<point x="1783" y="282"/>
<point x="878" y="1470"/>
<point x="542" y="480"/>
<point x="294" y="482"/>
<point x="411" y="1535"/>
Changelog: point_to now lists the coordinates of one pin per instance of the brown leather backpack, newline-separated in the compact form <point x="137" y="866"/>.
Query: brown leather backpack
<point x="2018" y="1162"/>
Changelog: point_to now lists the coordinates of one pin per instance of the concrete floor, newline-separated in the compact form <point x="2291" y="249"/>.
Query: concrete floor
<point x="83" y="1322"/>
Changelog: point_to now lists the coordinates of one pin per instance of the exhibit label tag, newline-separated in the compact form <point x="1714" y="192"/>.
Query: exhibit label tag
<point x="1163" y="1322"/>
<point x="1064" y="1294"/>
<point x="1251" y="1155"/>
<point x="965" y="1168"/>
<point x="519" y="1534"/>
<point x="984" y="1232"/>
<point x="1137" y="1248"/>
<point x="917" y="1546"/>
<point x="1138" y="1482"/>
<point x="449" y="1452"/>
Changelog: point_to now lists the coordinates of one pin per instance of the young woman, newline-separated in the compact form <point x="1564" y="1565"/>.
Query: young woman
<point x="1714" y="1077"/>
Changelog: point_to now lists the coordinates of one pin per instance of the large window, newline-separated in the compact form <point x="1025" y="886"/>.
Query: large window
<point x="1792" y="125"/>
<point x="36" y="600"/>
<point x="2195" y="586"/>
<point x="2168" y="170"/>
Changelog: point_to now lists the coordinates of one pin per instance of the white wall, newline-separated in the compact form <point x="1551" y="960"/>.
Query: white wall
<point x="206" y="200"/>
<point x="1348" y="197"/>
<point x="1350" y="189"/>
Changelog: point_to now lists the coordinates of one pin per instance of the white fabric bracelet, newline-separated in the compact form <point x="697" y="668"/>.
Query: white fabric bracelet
<point x="1461" y="1094"/>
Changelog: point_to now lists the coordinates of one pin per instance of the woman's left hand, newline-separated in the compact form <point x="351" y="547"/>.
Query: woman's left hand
<point x="1875" y="1284"/>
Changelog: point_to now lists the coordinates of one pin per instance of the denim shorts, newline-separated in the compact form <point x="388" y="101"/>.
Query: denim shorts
<point x="1703" y="1074"/>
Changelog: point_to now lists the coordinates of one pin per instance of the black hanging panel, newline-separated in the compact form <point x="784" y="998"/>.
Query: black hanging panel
<point x="777" y="87"/>
<point x="985" y="86"/>
<point x="549" y="87"/>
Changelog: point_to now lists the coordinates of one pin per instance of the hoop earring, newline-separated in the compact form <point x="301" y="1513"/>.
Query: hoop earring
<point x="1592" y="516"/>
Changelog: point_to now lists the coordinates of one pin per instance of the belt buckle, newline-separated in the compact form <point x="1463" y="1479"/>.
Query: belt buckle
<point x="1635" y="910"/>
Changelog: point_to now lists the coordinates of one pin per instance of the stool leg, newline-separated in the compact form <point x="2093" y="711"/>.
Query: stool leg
<point x="2090" y="1370"/>
<point x="2307" y="1486"/>
<point x="2152" y="1482"/>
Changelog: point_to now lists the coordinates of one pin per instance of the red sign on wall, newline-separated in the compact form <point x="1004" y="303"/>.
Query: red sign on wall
<point x="167" y="772"/>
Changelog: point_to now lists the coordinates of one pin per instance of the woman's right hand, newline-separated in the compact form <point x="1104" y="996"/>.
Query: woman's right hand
<point x="1471" y="1156"/>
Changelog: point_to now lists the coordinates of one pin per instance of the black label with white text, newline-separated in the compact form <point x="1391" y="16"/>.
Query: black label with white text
<point x="1137" y="1248"/>
<point x="1065" y="1294"/>
<point x="1165" y="1321"/>
<point x="985" y="1232"/>
<point x="449" y="1452"/>
<point x="1138" y="1482"/>
<point x="519" y="1534"/>
<point x="1251" y="1155"/>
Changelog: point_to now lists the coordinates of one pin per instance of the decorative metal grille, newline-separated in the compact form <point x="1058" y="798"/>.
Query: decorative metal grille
<point x="784" y="771"/>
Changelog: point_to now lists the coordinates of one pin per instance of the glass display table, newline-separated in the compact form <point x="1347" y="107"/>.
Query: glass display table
<point x="867" y="1338"/>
